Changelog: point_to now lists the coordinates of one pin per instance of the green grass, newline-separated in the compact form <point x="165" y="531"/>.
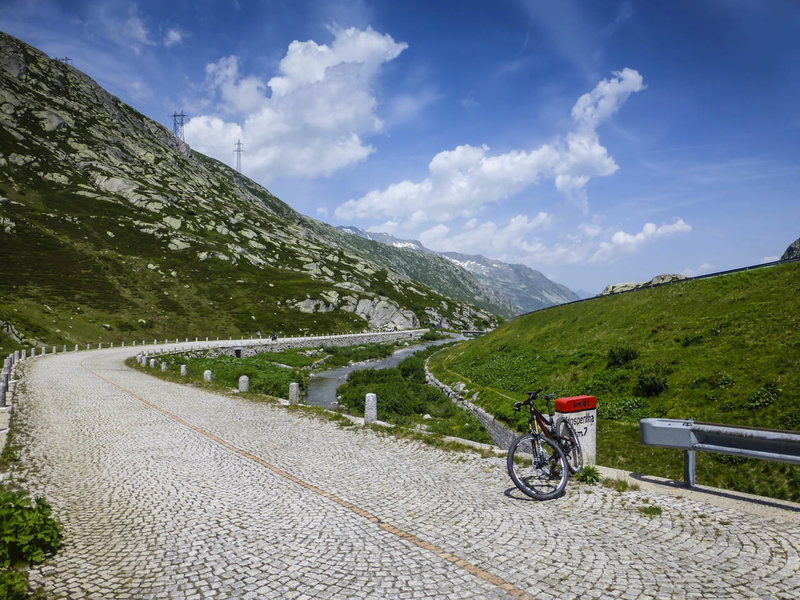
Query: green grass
<point x="724" y="350"/>
<point x="404" y="399"/>
<point x="266" y="377"/>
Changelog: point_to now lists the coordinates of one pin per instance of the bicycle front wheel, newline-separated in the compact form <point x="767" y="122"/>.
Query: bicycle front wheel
<point x="537" y="466"/>
<point x="570" y="444"/>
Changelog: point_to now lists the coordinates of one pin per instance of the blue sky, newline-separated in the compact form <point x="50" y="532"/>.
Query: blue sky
<point x="598" y="142"/>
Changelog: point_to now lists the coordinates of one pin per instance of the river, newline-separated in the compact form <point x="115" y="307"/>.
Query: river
<point x="322" y="386"/>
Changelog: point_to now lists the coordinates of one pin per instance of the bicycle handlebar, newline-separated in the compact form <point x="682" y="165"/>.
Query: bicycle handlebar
<point x="531" y="397"/>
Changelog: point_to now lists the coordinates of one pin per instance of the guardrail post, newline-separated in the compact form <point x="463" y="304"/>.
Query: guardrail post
<point x="689" y="464"/>
<point x="294" y="393"/>
<point x="370" y="409"/>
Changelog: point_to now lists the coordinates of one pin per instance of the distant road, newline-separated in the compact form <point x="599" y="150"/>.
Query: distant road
<point x="169" y="491"/>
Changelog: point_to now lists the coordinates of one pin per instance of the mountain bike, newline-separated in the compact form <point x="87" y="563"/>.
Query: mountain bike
<point x="539" y="462"/>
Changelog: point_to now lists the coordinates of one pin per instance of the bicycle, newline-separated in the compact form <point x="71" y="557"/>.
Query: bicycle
<point x="540" y="461"/>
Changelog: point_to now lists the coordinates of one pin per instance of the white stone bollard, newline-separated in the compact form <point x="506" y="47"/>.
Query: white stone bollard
<point x="100" y="346"/>
<point x="294" y="393"/>
<point x="152" y="363"/>
<point x="33" y="352"/>
<point x="54" y="349"/>
<point x="164" y="367"/>
<point x="123" y="344"/>
<point x="244" y="383"/>
<point x="208" y="375"/>
<point x="24" y="353"/>
<point x="65" y="347"/>
<point x="370" y="409"/>
<point x="183" y="370"/>
<point x="76" y="347"/>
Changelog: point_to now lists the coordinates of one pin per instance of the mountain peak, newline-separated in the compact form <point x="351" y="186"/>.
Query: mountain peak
<point x="525" y="289"/>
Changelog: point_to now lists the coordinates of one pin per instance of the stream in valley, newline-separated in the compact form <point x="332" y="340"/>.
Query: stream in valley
<point x="322" y="386"/>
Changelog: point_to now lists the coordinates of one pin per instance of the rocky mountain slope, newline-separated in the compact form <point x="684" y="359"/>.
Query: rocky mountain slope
<point x="793" y="251"/>
<point x="524" y="289"/>
<point x="110" y="225"/>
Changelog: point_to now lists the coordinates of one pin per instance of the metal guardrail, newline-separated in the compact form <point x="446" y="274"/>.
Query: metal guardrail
<point x="691" y="436"/>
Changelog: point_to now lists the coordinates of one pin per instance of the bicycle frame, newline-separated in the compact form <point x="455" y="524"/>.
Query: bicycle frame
<point x="537" y="420"/>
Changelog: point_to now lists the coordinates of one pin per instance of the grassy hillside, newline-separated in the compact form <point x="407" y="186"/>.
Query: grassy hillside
<point x="111" y="228"/>
<point x="724" y="350"/>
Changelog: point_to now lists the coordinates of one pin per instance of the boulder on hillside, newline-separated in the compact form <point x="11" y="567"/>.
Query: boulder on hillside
<point x="627" y="287"/>
<point x="792" y="251"/>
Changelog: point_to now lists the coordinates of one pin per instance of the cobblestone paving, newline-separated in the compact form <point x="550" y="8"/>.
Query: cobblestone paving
<point x="153" y="508"/>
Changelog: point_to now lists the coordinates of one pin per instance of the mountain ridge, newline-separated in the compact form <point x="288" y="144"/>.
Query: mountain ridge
<point x="526" y="289"/>
<point x="108" y="222"/>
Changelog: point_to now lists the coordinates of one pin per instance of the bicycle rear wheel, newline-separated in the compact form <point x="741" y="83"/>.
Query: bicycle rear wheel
<point x="570" y="444"/>
<point x="537" y="466"/>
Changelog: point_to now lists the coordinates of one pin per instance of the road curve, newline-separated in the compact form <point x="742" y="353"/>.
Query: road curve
<point x="169" y="491"/>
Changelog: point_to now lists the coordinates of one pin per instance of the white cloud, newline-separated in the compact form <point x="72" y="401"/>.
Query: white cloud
<point x="605" y="99"/>
<point x="321" y="104"/>
<point x="238" y="95"/>
<point x="504" y="242"/>
<point x="701" y="270"/>
<point x="173" y="37"/>
<point x="212" y="131"/>
<point x="464" y="180"/>
<point x="625" y="243"/>
<point x="135" y="32"/>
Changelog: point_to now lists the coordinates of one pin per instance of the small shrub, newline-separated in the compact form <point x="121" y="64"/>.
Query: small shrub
<point x="650" y="383"/>
<point x="763" y="396"/>
<point x="619" y="356"/>
<point x="28" y="533"/>
<point x="626" y="408"/>
<point x="689" y="340"/>
<point x="790" y="419"/>
<point x="589" y="475"/>
<point x="13" y="585"/>
<point x="720" y="380"/>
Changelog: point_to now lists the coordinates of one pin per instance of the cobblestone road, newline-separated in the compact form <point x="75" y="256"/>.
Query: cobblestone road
<point x="168" y="491"/>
